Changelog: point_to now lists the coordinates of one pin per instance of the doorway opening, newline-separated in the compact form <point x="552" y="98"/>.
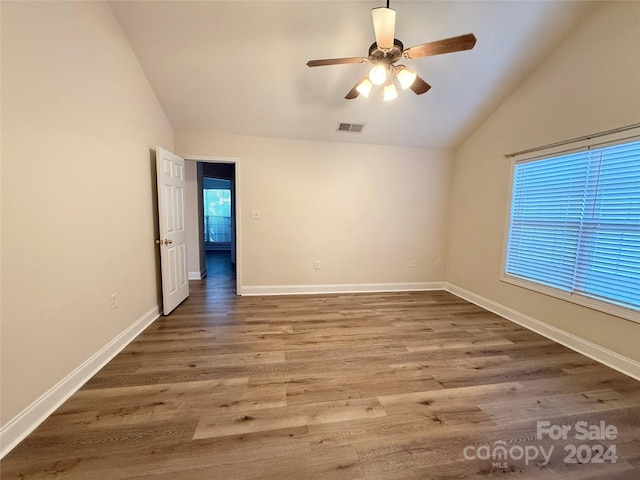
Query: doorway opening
<point x="218" y="225"/>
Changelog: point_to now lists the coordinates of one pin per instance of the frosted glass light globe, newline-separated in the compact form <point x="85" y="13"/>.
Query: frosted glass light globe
<point x="378" y="75"/>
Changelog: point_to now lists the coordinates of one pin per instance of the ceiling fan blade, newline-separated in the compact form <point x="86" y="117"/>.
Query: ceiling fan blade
<point x="335" y="61"/>
<point x="419" y="86"/>
<point x="384" y="25"/>
<point x="448" y="45"/>
<point x="353" y="93"/>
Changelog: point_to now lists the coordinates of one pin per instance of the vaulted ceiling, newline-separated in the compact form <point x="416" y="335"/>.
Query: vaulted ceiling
<point x="239" y="67"/>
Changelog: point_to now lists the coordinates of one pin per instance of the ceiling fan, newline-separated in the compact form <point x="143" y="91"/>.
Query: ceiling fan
<point x="387" y="50"/>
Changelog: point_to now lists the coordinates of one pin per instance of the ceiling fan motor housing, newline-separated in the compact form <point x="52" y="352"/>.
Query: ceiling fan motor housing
<point x="377" y="56"/>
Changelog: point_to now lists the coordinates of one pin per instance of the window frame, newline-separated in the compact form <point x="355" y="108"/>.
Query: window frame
<point x="606" y="306"/>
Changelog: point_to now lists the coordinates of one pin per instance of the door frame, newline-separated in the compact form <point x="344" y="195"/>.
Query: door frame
<point x="237" y="207"/>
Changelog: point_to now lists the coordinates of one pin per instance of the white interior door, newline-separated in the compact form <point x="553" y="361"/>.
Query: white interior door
<point x="172" y="243"/>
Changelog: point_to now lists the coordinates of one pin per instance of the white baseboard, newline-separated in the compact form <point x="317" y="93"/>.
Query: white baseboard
<point x="196" y="275"/>
<point x="339" y="288"/>
<point x="596" y="352"/>
<point x="26" y="421"/>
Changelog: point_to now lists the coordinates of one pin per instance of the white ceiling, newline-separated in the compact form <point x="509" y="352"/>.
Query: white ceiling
<point x="240" y="66"/>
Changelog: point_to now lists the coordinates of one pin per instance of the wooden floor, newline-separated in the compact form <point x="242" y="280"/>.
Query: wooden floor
<point x="369" y="386"/>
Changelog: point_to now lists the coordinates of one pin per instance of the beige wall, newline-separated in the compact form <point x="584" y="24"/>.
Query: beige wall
<point x="364" y="211"/>
<point x="78" y="122"/>
<point x="591" y="83"/>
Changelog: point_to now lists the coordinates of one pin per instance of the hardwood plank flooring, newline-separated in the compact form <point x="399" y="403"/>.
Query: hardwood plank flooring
<point x="335" y="387"/>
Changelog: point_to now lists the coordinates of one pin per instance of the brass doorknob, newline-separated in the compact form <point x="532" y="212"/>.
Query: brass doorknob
<point x="168" y="242"/>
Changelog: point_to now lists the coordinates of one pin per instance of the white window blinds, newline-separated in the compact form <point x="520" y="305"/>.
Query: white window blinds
<point x="575" y="223"/>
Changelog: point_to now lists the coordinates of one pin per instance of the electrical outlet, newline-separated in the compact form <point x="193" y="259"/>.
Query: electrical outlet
<point x="256" y="214"/>
<point x="412" y="264"/>
<point x="316" y="264"/>
<point x="439" y="263"/>
<point x="113" y="300"/>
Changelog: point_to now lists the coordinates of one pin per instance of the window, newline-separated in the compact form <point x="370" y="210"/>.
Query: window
<point x="217" y="215"/>
<point x="574" y="227"/>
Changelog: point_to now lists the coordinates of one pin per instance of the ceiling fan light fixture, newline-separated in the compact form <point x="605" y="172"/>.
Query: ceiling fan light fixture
<point x="405" y="76"/>
<point x="390" y="92"/>
<point x="364" y="88"/>
<point x="386" y="51"/>
<point x="378" y="75"/>
<point x="384" y="23"/>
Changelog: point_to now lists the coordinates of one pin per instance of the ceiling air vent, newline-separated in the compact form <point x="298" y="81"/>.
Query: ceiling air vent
<point x="350" y="127"/>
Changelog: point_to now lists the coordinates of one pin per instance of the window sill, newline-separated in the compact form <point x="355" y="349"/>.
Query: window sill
<point x="594" y="304"/>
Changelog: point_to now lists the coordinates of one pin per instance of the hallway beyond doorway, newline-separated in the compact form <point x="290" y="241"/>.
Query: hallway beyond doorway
<point x="221" y="274"/>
